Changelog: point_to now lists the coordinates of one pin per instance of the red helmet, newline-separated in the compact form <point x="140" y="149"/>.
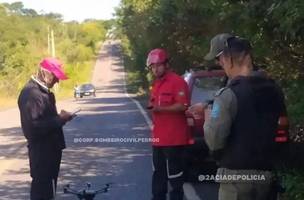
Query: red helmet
<point x="157" y="56"/>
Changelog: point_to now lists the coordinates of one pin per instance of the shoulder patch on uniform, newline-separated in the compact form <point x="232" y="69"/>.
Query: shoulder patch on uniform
<point x="215" y="112"/>
<point x="220" y="91"/>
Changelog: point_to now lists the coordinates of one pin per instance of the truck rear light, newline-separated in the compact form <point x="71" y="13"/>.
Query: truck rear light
<point x="281" y="139"/>
<point x="281" y="132"/>
<point x="191" y="141"/>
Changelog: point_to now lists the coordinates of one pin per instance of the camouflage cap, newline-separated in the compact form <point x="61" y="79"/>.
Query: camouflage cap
<point x="217" y="45"/>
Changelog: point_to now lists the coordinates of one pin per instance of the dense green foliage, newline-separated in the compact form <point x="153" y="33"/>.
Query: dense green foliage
<point x="24" y="42"/>
<point x="184" y="27"/>
<point x="293" y="183"/>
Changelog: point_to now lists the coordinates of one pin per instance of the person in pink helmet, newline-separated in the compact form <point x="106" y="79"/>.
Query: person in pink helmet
<point x="42" y="128"/>
<point x="169" y="98"/>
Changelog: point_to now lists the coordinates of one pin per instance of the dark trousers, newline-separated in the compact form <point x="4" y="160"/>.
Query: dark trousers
<point x="168" y="166"/>
<point x="44" y="167"/>
<point x="43" y="189"/>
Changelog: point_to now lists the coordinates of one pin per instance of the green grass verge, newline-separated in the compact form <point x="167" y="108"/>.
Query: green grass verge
<point x="78" y="74"/>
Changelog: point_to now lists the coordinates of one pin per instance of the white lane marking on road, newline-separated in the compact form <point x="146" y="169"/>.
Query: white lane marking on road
<point x="189" y="190"/>
<point x="139" y="106"/>
<point x="143" y="112"/>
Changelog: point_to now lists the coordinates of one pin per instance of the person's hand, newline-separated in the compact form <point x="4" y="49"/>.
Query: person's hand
<point x="149" y="106"/>
<point x="65" y="116"/>
<point x="197" y="110"/>
<point x="156" y="109"/>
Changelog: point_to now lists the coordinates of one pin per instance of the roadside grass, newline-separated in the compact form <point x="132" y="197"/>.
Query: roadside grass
<point x="134" y="84"/>
<point x="78" y="74"/>
<point x="7" y="102"/>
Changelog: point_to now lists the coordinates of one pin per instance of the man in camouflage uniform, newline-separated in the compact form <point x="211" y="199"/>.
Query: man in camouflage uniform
<point x="240" y="127"/>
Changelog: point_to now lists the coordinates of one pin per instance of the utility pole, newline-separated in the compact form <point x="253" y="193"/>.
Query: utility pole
<point x="51" y="50"/>
<point x="49" y="41"/>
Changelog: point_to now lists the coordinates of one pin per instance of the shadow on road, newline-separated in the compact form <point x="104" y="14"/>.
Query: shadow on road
<point x="17" y="190"/>
<point x="90" y="157"/>
<point x="12" y="140"/>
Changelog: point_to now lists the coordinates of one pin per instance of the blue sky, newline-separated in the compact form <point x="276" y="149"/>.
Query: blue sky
<point x="73" y="9"/>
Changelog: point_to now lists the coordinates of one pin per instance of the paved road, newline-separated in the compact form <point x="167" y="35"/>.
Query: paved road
<point x="89" y="157"/>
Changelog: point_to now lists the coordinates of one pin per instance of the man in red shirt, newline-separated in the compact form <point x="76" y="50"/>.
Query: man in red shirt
<point x="169" y="99"/>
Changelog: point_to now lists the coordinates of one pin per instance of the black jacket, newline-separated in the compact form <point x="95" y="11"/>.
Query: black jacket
<point x="251" y="144"/>
<point x="40" y="121"/>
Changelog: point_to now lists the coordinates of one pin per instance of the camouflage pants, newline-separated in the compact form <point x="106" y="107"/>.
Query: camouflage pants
<point x="245" y="191"/>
